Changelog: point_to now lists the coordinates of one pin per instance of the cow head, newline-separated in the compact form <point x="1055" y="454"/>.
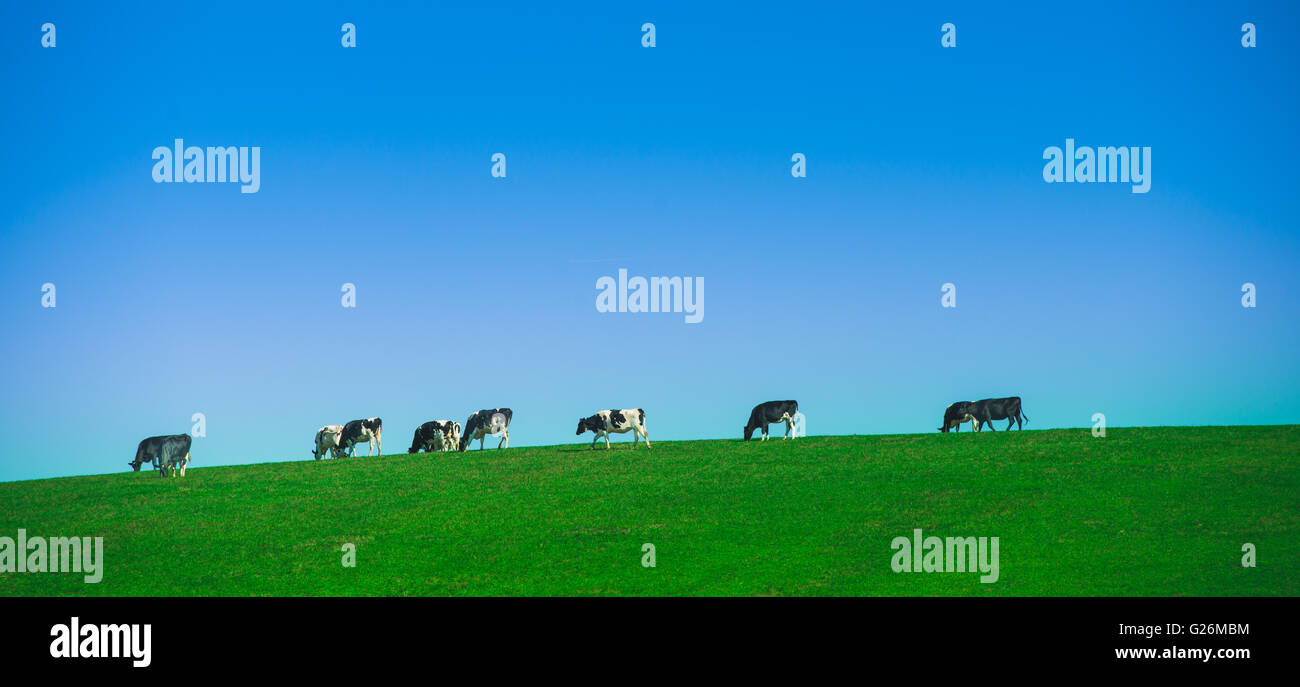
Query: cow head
<point x="139" y="456"/>
<point x="594" y="423"/>
<point x="749" y="431"/>
<point x="954" y="415"/>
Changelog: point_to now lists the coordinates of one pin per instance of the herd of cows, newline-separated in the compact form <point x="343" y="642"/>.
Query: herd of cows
<point x="172" y="453"/>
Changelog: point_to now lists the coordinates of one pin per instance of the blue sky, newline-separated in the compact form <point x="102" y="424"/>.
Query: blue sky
<point x="924" y="167"/>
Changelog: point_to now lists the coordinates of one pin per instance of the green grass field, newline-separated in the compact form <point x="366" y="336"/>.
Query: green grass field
<point x="1159" y="511"/>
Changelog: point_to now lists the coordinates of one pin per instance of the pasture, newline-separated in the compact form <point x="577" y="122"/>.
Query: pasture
<point x="1143" y="511"/>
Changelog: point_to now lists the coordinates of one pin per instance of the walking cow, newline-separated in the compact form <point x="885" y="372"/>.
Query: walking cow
<point x="990" y="409"/>
<point x="367" y="432"/>
<point x="605" y="422"/>
<point x="485" y="422"/>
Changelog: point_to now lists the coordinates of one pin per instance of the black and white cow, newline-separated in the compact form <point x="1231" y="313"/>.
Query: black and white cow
<point x="485" y="422"/>
<point x="365" y="431"/>
<point x="606" y="422"/>
<point x="436" y="435"/>
<point x="327" y="441"/>
<point x="990" y="409"/>
<point x="764" y="414"/>
<point x="165" y="452"/>
<point x="956" y="414"/>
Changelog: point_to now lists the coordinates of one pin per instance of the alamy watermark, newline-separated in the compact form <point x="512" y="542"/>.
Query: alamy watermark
<point x="25" y="554"/>
<point x="1110" y="164"/>
<point x="656" y="294"/>
<point x="1099" y="425"/>
<point x="215" y="164"/>
<point x="75" y="640"/>
<point x="951" y="554"/>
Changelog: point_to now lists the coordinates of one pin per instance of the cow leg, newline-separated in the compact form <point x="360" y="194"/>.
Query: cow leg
<point x="645" y="435"/>
<point x="595" y="436"/>
<point x="505" y="439"/>
<point x="185" y="463"/>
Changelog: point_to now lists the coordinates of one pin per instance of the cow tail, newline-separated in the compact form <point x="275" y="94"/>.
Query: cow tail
<point x="641" y="412"/>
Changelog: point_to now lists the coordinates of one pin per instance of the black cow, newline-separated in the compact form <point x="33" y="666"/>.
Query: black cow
<point x="164" y="452"/>
<point x="485" y="422"/>
<point x="368" y="431"/>
<point x="436" y="435"/>
<point x="990" y="409"/>
<point x="765" y="414"/>
<point x="956" y="414"/>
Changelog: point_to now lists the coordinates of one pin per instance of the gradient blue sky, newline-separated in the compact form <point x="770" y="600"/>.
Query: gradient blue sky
<point x="924" y="167"/>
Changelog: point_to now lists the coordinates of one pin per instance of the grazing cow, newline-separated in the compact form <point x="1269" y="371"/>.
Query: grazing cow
<point x="765" y="414"/>
<point x="485" y="422"/>
<point x="362" y="432"/>
<point x="437" y="435"/>
<point x="606" y="422"/>
<point x="990" y="409"/>
<point x="165" y="452"/>
<point x="956" y="414"/>
<point x="327" y="440"/>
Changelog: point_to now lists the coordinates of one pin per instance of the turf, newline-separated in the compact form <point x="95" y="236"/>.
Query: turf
<point x="1142" y="511"/>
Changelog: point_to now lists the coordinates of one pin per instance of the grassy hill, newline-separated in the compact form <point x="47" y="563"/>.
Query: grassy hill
<point x="1159" y="511"/>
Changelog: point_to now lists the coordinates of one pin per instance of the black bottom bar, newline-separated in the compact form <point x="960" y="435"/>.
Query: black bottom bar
<point x="339" y="636"/>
